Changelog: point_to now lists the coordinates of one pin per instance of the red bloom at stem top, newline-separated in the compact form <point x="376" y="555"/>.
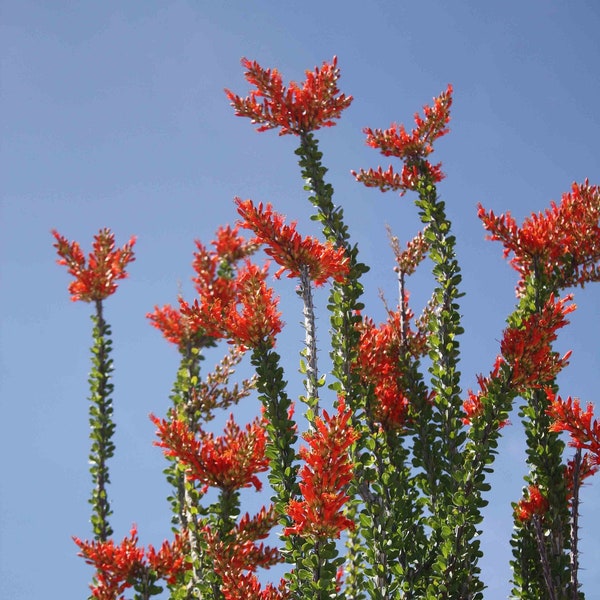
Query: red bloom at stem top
<point x="535" y="505"/>
<point x="253" y="321"/>
<point x="119" y="567"/>
<point x="97" y="279"/>
<point x="528" y="348"/>
<point x="229" y="462"/>
<point x="289" y="249"/>
<point x="177" y="328"/>
<point x="474" y="405"/>
<point x="237" y="556"/>
<point x="379" y="364"/>
<point x="412" y="148"/>
<point x="325" y="475"/>
<point x="582" y="427"/>
<point x="563" y="242"/>
<point x="295" y="109"/>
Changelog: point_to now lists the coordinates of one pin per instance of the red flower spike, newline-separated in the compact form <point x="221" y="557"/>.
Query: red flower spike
<point x="378" y="363"/>
<point x="295" y="109"/>
<point x="222" y="286"/>
<point x="325" y="475"/>
<point x="177" y="327"/>
<point x="537" y="504"/>
<point x="230" y="462"/>
<point x="412" y="148"/>
<point x="290" y="250"/>
<point x="473" y="405"/>
<point x="230" y="246"/>
<point x="528" y="348"/>
<point x="564" y="241"/>
<point x="119" y="567"/>
<point x="97" y="279"/>
<point x="246" y="586"/>
<point x="583" y="429"/>
<point x="258" y="322"/>
<point x="238" y="556"/>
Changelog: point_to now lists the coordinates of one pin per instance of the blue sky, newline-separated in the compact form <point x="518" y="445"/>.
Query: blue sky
<point x="113" y="115"/>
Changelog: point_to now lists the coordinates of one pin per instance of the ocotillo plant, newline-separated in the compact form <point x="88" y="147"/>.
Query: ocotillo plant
<point x="381" y="496"/>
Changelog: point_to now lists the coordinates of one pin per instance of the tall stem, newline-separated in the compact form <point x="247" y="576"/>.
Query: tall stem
<point x="101" y="424"/>
<point x="575" y="525"/>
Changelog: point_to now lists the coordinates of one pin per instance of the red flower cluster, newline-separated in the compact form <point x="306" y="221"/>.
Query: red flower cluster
<point x="528" y="348"/>
<point x="215" y="280"/>
<point x="537" y="504"/>
<point x="325" y="475"/>
<point x="296" y="109"/>
<point x="176" y="327"/>
<point x="237" y="556"/>
<point x="105" y="265"/>
<point x="253" y="320"/>
<point x="223" y="286"/>
<point x="119" y="567"/>
<point x="229" y="462"/>
<point x="379" y="364"/>
<point x="289" y="249"/>
<point x="563" y="242"/>
<point x="412" y="148"/>
<point x="581" y="425"/>
<point x="473" y="405"/>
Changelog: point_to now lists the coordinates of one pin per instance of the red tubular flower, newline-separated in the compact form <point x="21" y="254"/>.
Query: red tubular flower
<point x="119" y="567"/>
<point x="473" y="405"/>
<point x="325" y="475"/>
<point x="563" y="242"/>
<point x="229" y="462"/>
<point x="379" y="364"/>
<point x="105" y="265"/>
<point x="528" y="348"/>
<point x="582" y="427"/>
<point x="537" y="504"/>
<point x="258" y="322"/>
<point x="412" y="148"/>
<point x="237" y="557"/>
<point x="177" y="327"/>
<point x="295" y="109"/>
<point x="216" y="282"/>
<point x="289" y="249"/>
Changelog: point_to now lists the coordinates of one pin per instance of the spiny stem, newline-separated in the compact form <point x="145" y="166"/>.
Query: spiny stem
<point x="311" y="382"/>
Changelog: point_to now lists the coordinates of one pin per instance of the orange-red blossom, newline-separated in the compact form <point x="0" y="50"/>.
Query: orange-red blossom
<point x="528" y="348"/>
<point x="583" y="429"/>
<point x="325" y="474"/>
<point x="230" y="462"/>
<point x="289" y="249"/>
<point x="412" y="148"/>
<point x="563" y="242"/>
<point x="536" y="504"/>
<point x="379" y="364"/>
<point x="95" y="279"/>
<point x="119" y="566"/>
<point x="237" y="557"/>
<point x="296" y="109"/>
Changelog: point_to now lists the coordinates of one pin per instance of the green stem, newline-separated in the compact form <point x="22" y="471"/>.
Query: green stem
<point x="101" y="424"/>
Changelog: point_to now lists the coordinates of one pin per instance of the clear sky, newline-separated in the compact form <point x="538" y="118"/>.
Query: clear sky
<point x="113" y="115"/>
